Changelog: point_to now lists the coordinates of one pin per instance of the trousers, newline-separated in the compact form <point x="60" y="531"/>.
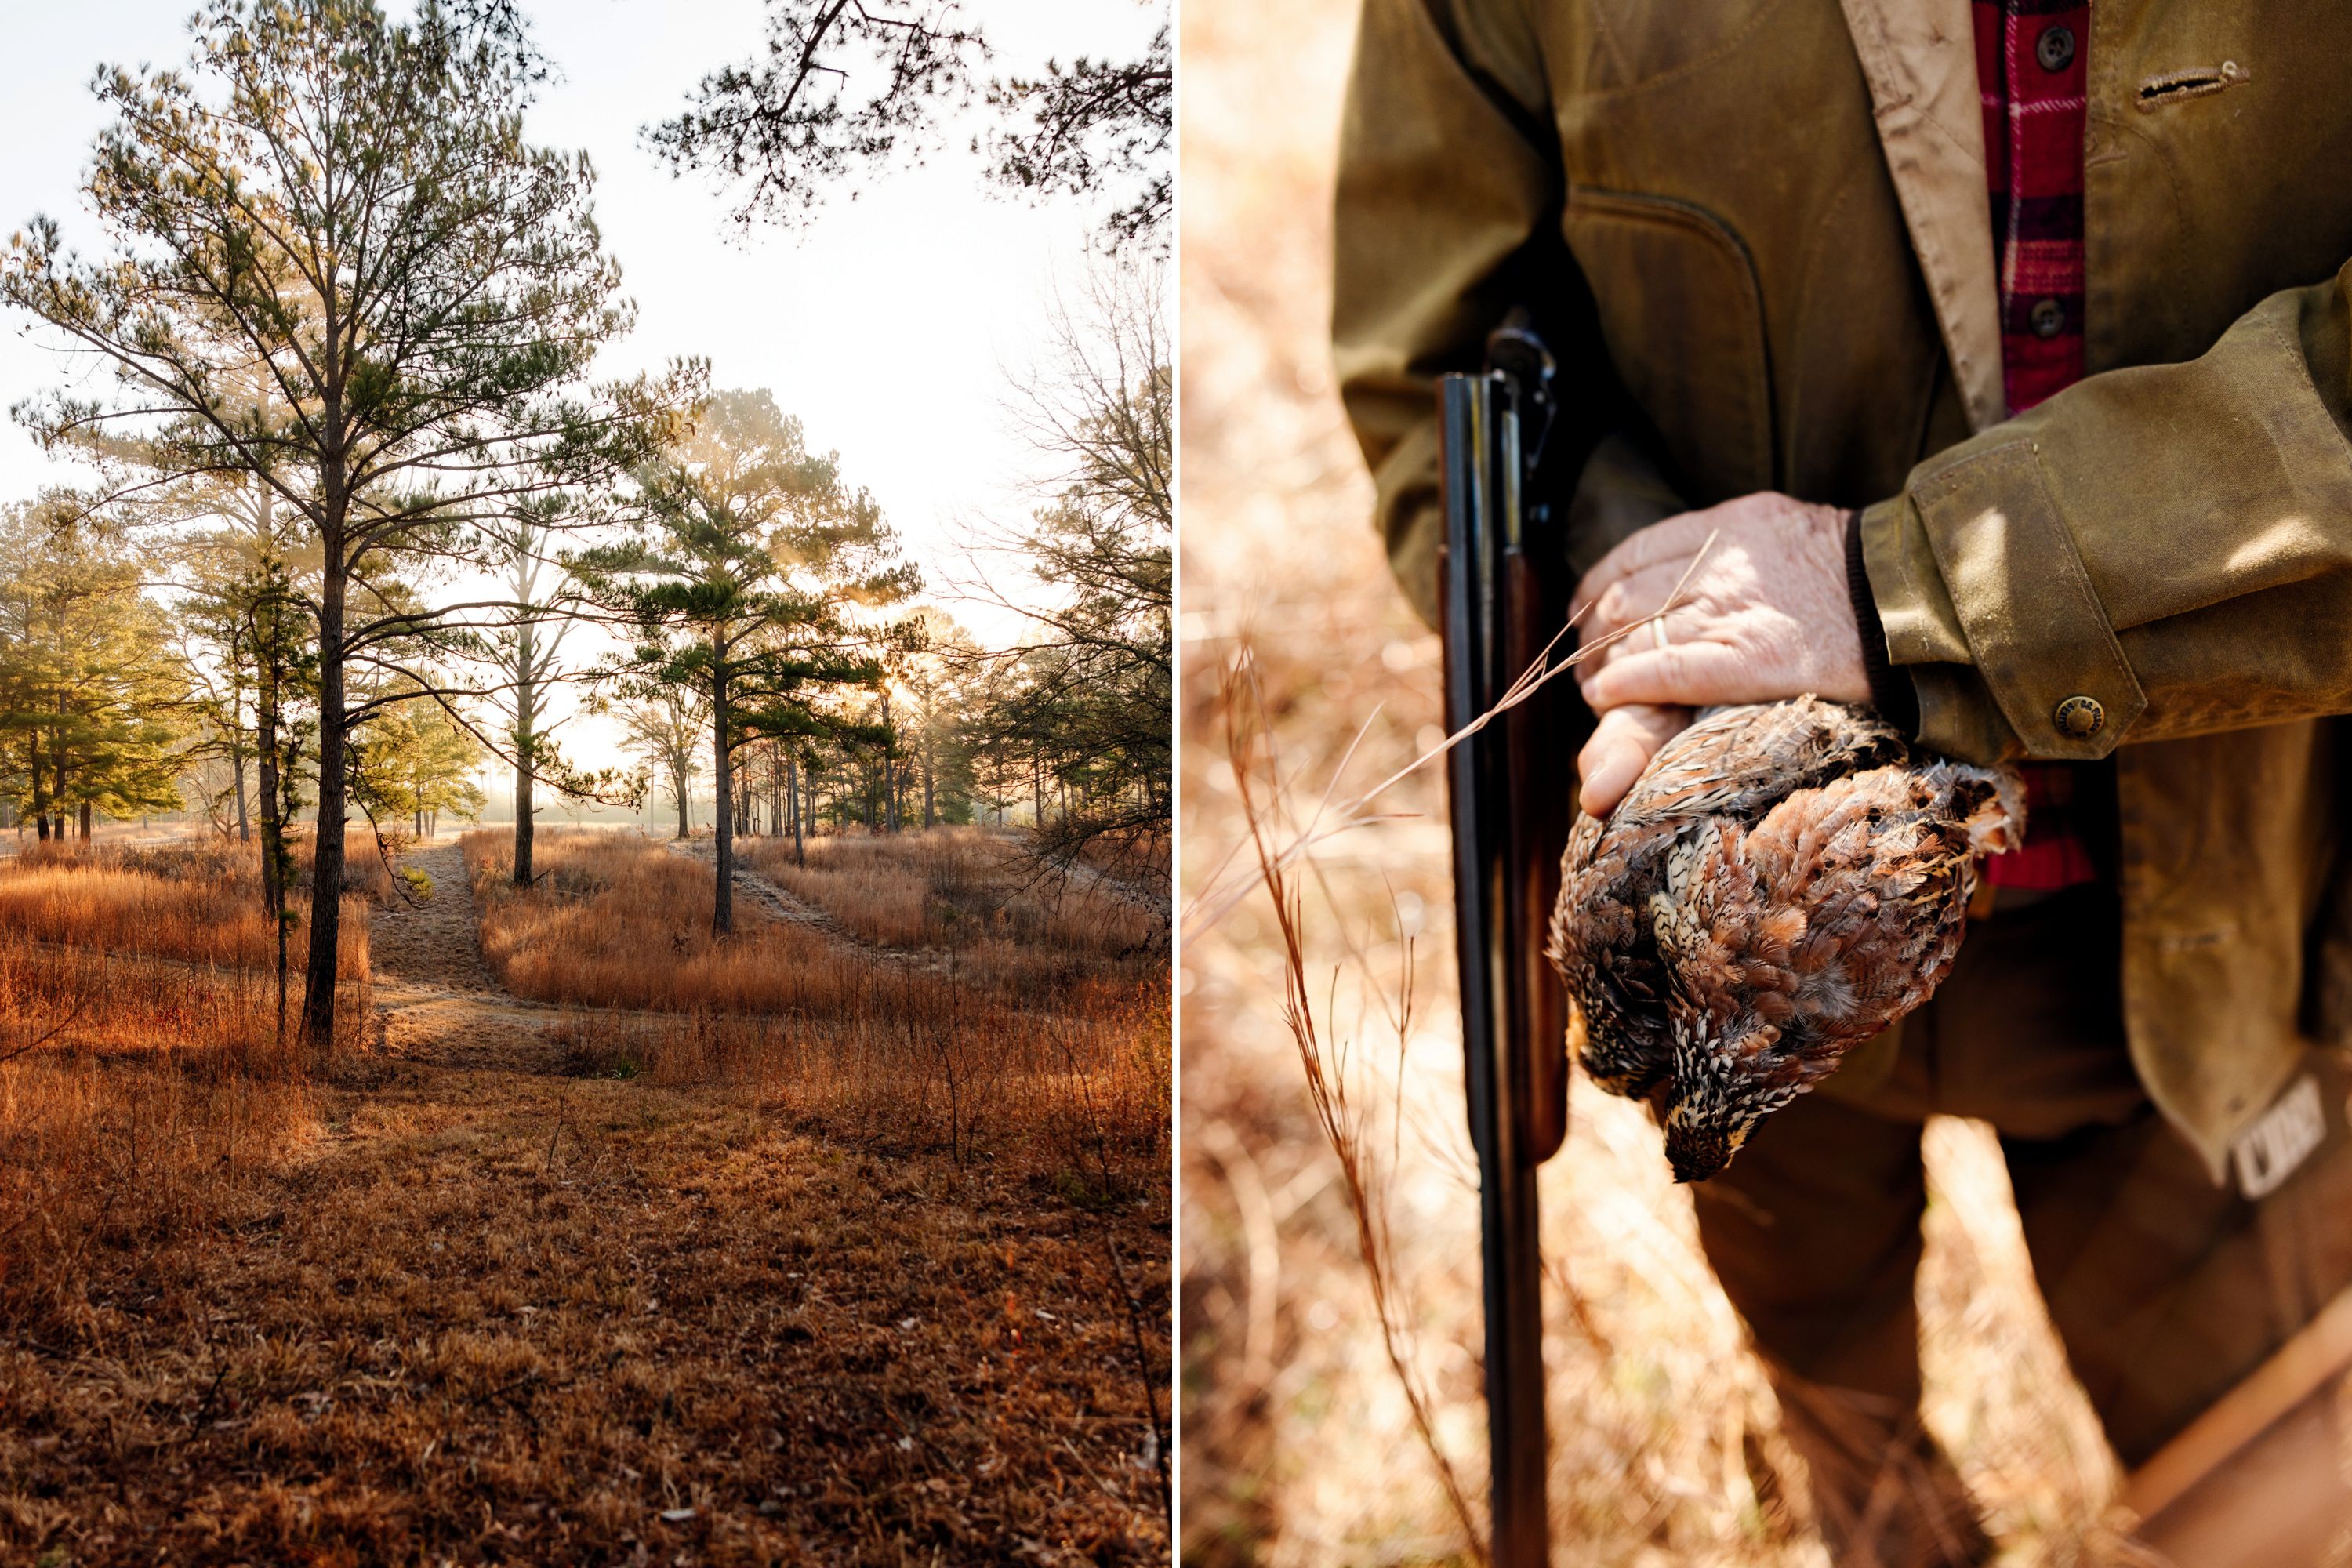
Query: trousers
<point x="2166" y="1289"/>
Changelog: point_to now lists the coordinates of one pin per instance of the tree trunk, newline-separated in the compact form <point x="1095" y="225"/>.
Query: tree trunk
<point x="327" y="869"/>
<point x="722" y="813"/>
<point x="930" y="769"/>
<point x="793" y="784"/>
<point x="40" y="796"/>
<point x="889" y="769"/>
<point x="59" y="760"/>
<point x="273" y="820"/>
<point x="524" y="809"/>
<point x="243" y="827"/>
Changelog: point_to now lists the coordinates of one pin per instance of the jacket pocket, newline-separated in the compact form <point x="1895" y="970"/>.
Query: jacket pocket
<point x="1683" y="317"/>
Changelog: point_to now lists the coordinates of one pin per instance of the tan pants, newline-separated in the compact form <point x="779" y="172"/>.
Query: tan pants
<point x="2166" y="1289"/>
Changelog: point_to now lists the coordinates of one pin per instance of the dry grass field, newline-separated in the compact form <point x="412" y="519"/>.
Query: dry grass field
<point x="872" y="1276"/>
<point x="201" y="904"/>
<point x="1299" y="1443"/>
<point x="960" y="889"/>
<point x="946" y="1047"/>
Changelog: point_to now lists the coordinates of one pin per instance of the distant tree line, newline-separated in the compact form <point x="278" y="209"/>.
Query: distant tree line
<point x="355" y="486"/>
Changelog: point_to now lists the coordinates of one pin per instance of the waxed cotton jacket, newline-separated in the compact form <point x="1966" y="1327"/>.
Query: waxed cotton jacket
<point x="1758" y="232"/>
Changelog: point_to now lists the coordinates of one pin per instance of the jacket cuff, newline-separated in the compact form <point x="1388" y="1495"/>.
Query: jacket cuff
<point x="2037" y="633"/>
<point x="1890" y="691"/>
<point x="1924" y="640"/>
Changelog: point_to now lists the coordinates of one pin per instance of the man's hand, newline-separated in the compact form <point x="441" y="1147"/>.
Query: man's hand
<point x="1765" y="616"/>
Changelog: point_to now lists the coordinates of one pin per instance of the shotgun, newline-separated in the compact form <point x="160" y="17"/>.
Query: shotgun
<point x="1503" y="599"/>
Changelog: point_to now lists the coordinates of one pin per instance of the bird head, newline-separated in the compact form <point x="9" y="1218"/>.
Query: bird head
<point x="1726" y="1081"/>
<point x="1702" y="1136"/>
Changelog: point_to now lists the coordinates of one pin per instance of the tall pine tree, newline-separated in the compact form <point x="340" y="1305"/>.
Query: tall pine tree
<point x="343" y="208"/>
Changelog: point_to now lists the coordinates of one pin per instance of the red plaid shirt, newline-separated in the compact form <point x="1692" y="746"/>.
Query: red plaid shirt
<point x="2029" y="57"/>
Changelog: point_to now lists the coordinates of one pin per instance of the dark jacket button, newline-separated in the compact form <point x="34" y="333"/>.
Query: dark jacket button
<point x="2079" y="718"/>
<point x="2055" y="49"/>
<point x="2048" y="318"/>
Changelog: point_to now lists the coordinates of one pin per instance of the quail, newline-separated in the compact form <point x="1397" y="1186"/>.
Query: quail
<point x="1785" y="880"/>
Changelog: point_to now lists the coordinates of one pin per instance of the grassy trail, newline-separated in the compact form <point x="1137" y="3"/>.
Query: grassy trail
<point x="495" y="1312"/>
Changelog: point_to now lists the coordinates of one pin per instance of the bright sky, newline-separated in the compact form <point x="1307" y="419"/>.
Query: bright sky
<point x="888" y="325"/>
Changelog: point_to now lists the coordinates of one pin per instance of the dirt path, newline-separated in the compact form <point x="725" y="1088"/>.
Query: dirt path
<point x="435" y="942"/>
<point x="784" y="904"/>
<point x="436" y="1000"/>
<point x="1085" y="876"/>
<point x="787" y="905"/>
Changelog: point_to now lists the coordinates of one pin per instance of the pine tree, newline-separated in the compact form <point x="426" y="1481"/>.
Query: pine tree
<point x="744" y="581"/>
<point x="343" y="209"/>
<point x="412" y="760"/>
<point x="666" y="727"/>
<point x="89" y="692"/>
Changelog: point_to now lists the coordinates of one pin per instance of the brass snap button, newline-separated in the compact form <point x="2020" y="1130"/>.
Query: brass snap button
<point x="2080" y="716"/>
<point x="2056" y="47"/>
<point x="2048" y="318"/>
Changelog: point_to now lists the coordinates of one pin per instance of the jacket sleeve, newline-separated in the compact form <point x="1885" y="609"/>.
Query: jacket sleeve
<point x="1447" y="215"/>
<point x="2172" y="542"/>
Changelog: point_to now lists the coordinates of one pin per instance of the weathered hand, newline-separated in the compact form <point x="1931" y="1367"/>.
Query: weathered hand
<point x="1764" y="617"/>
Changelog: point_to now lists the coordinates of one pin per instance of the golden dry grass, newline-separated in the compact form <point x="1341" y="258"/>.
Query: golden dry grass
<point x="957" y="888"/>
<point x="593" y="1323"/>
<point x="1299" y="1445"/>
<point x="577" y="1287"/>
<point x="617" y="922"/>
<point x="145" y="1069"/>
<point x="200" y="903"/>
<point x="133" y="1091"/>
<point x="948" y="1050"/>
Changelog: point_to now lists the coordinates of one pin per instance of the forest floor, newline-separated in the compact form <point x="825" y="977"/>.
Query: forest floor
<point x="494" y="1310"/>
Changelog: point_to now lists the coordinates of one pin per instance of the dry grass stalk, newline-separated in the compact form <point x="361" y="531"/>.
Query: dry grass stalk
<point x="1326" y="1067"/>
<point x="1327" y="822"/>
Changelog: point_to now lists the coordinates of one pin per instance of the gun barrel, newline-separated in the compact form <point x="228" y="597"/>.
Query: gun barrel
<point x="1481" y="477"/>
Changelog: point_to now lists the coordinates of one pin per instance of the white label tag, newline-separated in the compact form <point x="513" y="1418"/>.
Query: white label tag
<point x="2268" y="1152"/>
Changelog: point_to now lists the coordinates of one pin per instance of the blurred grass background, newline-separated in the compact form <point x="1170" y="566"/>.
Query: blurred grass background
<point x="1298" y="1443"/>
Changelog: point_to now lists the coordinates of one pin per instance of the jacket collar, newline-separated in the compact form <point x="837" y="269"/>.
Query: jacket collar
<point x="1919" y="58"/>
